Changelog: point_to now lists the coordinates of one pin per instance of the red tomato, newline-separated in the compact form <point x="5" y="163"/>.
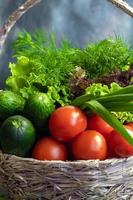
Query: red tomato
<point x="69" y="149"/>
<point x="111" y="154"/>
<point x="49" y="149"/>
<point x="130" y="124"/>
<point x="110" y="151"/>
<point x="89" y="145"/>
<point x="95" y="122"/>
<point x="67" y="122"/>
<point x="118" y="143"/>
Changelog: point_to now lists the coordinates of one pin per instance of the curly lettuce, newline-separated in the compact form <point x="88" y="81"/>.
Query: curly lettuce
<point x="25" y="81"/>
<point x="97" y="90"/>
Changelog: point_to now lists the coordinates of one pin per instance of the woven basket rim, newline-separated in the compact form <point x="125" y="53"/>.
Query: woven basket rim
<point x="106" y="161"/>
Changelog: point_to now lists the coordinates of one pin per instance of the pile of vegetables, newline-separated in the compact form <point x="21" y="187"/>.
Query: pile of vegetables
<point x="65" y="103"/>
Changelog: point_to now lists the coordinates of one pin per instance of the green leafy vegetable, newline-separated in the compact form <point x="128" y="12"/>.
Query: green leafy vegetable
<point x="99" y="58"/>
<point x="42" y="64"/>
<point x="26" y="79"/>
<point x="124" y="117"/>
<point x="55" y="64"/>
<point x="96" y="90"/>
<point x="105" y="56"/>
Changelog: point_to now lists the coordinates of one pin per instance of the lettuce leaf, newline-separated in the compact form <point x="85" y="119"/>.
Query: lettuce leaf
<point x="24" y="80"/>
<point x="97" y="90"/>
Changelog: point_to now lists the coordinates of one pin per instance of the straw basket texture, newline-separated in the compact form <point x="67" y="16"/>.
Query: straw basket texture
<point x="29" y="179"/>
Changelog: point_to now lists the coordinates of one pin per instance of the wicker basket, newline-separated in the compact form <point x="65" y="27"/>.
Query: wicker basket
<point x="29" y="179"/>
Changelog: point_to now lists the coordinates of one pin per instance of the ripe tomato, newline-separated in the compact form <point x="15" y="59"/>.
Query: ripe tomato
<point x="95" y="122"/>
<point x="89" y="145"/>
<point x="49" y="149"/>
<point x="110" y="151"/>
<point x="67" y="122"/>
<point x="118" y="143"/>
<point x="130" y="124"/>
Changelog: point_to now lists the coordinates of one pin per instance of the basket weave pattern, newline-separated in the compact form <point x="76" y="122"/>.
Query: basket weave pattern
<point x="29" y="179"/>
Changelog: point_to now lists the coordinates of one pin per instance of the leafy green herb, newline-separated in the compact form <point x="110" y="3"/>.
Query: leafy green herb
<point x="54" y="63"/>
<point x="41" y="62"/>
<point x="105" y="56"/>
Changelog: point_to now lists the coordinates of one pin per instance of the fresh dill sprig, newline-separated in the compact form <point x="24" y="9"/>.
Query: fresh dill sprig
<point x="105" y="56"/>
<point x="54" y="63"/>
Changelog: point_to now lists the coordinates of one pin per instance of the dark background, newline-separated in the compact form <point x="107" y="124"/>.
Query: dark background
<point x="80" y="21"/>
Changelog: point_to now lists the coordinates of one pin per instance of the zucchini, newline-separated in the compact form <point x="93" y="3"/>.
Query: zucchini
<point x="17" y="136"/>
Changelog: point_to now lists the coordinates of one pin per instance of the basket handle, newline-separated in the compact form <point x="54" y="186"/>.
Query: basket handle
<point x="123" y="6"/>
<point x="13" y="18"/>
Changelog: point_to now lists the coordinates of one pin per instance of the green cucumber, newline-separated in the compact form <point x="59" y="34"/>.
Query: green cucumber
<point x="10" y="104"/>
<point x="38" y="109"/>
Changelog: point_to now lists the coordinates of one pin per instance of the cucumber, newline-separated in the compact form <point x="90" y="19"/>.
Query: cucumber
<point x="10" y="104"/>
<point x="38" y="109"/>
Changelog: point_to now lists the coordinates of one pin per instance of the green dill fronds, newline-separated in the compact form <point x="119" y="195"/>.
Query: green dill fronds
<point x="97" y="59"/>
<point x="104" y="57"/>
<point x="55" y="63"/>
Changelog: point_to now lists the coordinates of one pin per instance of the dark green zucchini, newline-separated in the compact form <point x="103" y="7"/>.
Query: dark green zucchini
<point x="17" y="135"/>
